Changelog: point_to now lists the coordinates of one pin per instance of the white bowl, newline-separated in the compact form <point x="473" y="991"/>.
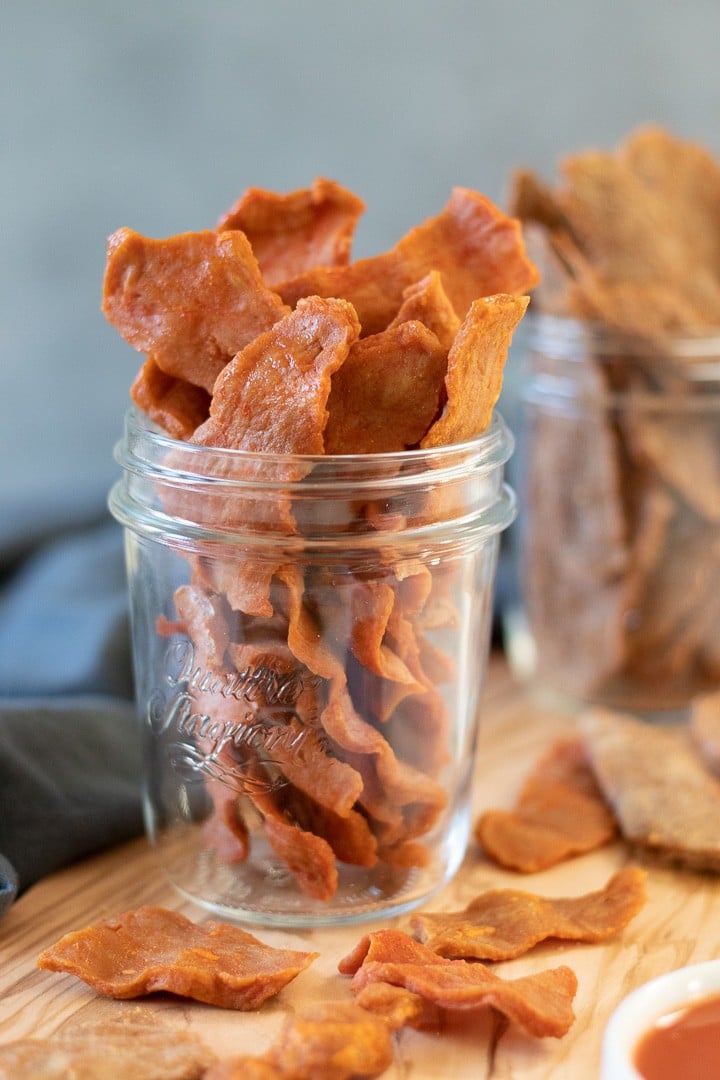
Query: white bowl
<point x="636" y="1013"/>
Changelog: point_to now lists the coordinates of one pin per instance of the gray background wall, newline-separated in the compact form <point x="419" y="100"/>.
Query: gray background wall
<point x="157" y="114"/>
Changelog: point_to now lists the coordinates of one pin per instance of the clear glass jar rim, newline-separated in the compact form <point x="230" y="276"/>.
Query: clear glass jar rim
<point x="475" y="502"/>
<point x="146" y="450"/>
<point x="561" y="331"/>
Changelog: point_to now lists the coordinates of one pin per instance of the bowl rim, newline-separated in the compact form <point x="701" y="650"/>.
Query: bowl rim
<point x="636" y="1013"/>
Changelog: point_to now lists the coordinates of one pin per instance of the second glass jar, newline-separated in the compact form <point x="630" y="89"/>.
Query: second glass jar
<point x="619" y="475"/>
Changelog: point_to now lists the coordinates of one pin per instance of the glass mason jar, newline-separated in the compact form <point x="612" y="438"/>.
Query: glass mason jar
<point x="310" y="638"/>
<point x="619" y="479"/>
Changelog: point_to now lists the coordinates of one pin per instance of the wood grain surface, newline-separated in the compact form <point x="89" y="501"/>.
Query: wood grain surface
<point x="679" y="925"/>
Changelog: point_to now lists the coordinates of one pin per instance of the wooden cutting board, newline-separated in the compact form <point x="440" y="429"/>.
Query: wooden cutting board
<point x="679" y="925"/>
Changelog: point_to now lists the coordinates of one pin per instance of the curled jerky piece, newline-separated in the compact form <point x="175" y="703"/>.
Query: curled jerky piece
<point x="687" y="177"/>
<point x="541" y="1004"/>
<point x="384" y="945"/>
<point x="293" y="233"/>
<point x="272" y="397"/>
<point x="504" y="923"/>
<point x="387" y="392"/>
<point x="533" y="200"/>
<point x="630" y="236"/>
<point x="175" y="405"/>
<point x="685" y="454"/>
<point x="308" y="857"/>
<point x="393" y="791"/>
<point x="559" y="812"/>
<point x="705" y="728"/>
<point x="268" y="748"/>
<point x="626" y="228"/>
<point x="285" y="698"/>
<point x="392" y="788"/>
<point x="419" y="731"/>
<point x="309" y="838"/>
<point x="669" y="591"/>
<point x="477" y="250"/>
<point x="107" y="1051"/>
<point x="663" y="798"/>
<point x="428" y="303"/>
<point x="372" y="604"/>
<point x="244" y="577"/>
<point x="306" y="759"/>
<point x="475" y="369"/>
<point x="384" y="677"/>
<point x="192" y="301"/>
<point x="203" y="617"/>
<point x="225" y="829"/>
<point x="336" y="1040"/>
<point x="397" y="1006"/>
<point x="152" y="949"/>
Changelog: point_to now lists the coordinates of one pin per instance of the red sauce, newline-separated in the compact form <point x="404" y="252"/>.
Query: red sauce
<point x="683" y="1044"/>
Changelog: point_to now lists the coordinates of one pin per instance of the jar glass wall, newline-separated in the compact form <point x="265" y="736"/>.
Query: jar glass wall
<point x="619" y="472"/>
<point x="310" y="638"/>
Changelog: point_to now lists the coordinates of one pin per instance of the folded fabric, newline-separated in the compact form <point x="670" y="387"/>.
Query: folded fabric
<point x="64" y="626"/>
<point x="8" y="884"/>
<point x="69" y="745"/>
<point x="69" y="782"/>
<point x="30" y="519"/>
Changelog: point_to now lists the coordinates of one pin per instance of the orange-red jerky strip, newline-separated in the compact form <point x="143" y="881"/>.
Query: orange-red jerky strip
<point x="559" y="812"/>
<point x="387" y="393"/>
<point x="475" y="369"/>
<point x="400" y="785"/>
<point x="541" y="1004"/>
<point x="329" y="1041"/>
<point x="372" y="603"/>
<point x="301" y="752"/>
<point x="271" y="399"/>
<point x="152" y="949"/>
<point x="705" y="728"/>
<point x="175" y="405"/>
<point x="225" y="829"/>
<point x="504" y="923"/>
<point x="308" y="837"/>
<point x="108" y="1051"/>
<point x="428" y="302"/>
<point x="202" y="617"/>
<point x="397" y="1006"/>
<point x="476" y="248"/>
<point x="390" y="785"/>
<point x="308" y="857"/>
<point x="192" y="301"/>
<point x="293" y="233"/>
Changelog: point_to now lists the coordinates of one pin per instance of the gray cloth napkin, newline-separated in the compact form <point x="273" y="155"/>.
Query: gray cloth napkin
<point x="69" y="745"/>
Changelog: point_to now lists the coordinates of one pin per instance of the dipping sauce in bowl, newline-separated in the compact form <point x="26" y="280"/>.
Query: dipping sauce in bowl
<point x="682" y="1043"/>
<point x="668" y="1029"/>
